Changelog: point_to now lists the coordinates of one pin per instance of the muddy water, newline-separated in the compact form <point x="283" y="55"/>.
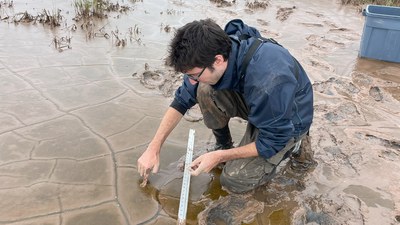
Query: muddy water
<point x="84" y="115"/>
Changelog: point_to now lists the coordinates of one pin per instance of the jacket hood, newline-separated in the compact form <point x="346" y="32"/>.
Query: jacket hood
<point x="237" y="27"/>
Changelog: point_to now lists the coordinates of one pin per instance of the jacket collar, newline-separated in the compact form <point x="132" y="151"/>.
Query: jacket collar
<point x="230" y="79"/>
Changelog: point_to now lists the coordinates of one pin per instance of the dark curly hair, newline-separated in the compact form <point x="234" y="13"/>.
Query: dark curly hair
<point x="196" y="44"/>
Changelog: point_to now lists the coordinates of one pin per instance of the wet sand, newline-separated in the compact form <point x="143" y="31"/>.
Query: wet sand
<point x="74" y="122"/>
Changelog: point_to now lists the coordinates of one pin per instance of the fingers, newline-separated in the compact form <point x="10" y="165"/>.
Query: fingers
<point x="195" y="162"/>
<point x="196" y="172"/>
<point x="155" y="168"/>
<point x="139" y="169"/>
<point x="143" y="171"/>
<point x="196" y="167"/>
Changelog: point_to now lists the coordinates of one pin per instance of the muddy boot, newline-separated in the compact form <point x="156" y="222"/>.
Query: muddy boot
<point x="223" y="139"/>
<point x="231" y="210"/>
<point x="303" y="159"/>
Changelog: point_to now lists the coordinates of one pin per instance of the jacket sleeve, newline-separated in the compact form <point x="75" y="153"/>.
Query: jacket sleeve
<point x="271" y="114"/>
<point x="271" y="103"/>
<point x="185" y="96"/>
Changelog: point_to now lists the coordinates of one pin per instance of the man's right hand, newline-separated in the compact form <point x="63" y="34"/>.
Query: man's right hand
<point x="149" y="161"/>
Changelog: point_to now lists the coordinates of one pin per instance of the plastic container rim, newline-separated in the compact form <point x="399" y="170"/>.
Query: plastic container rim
<point x="366" y="12"/>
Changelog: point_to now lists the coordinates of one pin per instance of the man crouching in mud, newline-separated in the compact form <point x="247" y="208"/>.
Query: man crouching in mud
<point x="236" y="73"/>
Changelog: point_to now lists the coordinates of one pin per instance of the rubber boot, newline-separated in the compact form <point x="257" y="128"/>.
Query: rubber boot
<point x="223" y="138"/>
<point x="303" y="159"/>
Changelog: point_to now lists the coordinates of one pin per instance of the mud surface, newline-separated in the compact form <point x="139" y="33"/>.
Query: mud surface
<point x="80" y="100"/>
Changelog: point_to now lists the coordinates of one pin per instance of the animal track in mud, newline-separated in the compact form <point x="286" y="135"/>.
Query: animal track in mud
<point x="283" y="13"/>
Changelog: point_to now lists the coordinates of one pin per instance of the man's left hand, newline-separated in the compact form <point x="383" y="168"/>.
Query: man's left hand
<point x="206" y="162"/>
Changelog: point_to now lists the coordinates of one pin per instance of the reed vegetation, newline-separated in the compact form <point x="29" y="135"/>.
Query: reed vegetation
<point x="374" y="2"/>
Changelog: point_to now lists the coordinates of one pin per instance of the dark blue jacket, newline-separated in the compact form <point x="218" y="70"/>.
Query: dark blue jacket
<point x="280" y="101"/>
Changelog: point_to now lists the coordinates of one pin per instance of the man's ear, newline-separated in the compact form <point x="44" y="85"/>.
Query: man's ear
<point x="219" y="59"/>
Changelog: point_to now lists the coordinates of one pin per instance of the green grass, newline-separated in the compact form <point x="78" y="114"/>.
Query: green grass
<point x="89" y="8"/>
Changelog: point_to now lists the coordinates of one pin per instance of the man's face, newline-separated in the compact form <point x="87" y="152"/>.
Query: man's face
<point x="206" y="74"/>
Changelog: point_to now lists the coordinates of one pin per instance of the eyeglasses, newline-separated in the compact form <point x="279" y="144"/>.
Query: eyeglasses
<point x="196" y="77"/>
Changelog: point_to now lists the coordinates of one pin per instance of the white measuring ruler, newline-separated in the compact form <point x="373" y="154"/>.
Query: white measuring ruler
<point x="183" y="203"/>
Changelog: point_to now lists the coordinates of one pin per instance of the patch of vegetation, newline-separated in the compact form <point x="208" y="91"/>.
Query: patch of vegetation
<point x="62" y="43"/>
<point x="172" y="12"/>
<point x="6" y="4"/>
<point x="53" y="18"/>
<point x="166" y="28"/>
<point x="96" y="8"/>
<point x="223" y="3"/>
<point x="133" y="35"/>
<point x="373" y="2"/>
<point x="257" y="4"/>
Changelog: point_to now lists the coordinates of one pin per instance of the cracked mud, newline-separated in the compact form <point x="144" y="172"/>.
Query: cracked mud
<point x="74" y="122"/>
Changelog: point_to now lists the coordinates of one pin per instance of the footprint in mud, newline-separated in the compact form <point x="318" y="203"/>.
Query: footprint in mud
<point x="283" y="13"/>
<point x="152" y="79"/>
<point x="165" y="80"/>
<point x="267" y="32"/>
<point x="361" y="79"/>
<point x="389" y="155"/>
<point x="345" y="112"/>
<point x="318" y="63"/>
<point x="262" y="22"/>
<point x="375" y="92"/>
<point x="334" y="86"/>
<point x="231" y="210"/>
<point x="323" y="210"/>
<point x="370" y="197"/>
<point x="323" y="43"/>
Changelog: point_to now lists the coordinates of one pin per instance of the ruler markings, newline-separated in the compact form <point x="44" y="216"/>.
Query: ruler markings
<point x="183" y="203"/>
